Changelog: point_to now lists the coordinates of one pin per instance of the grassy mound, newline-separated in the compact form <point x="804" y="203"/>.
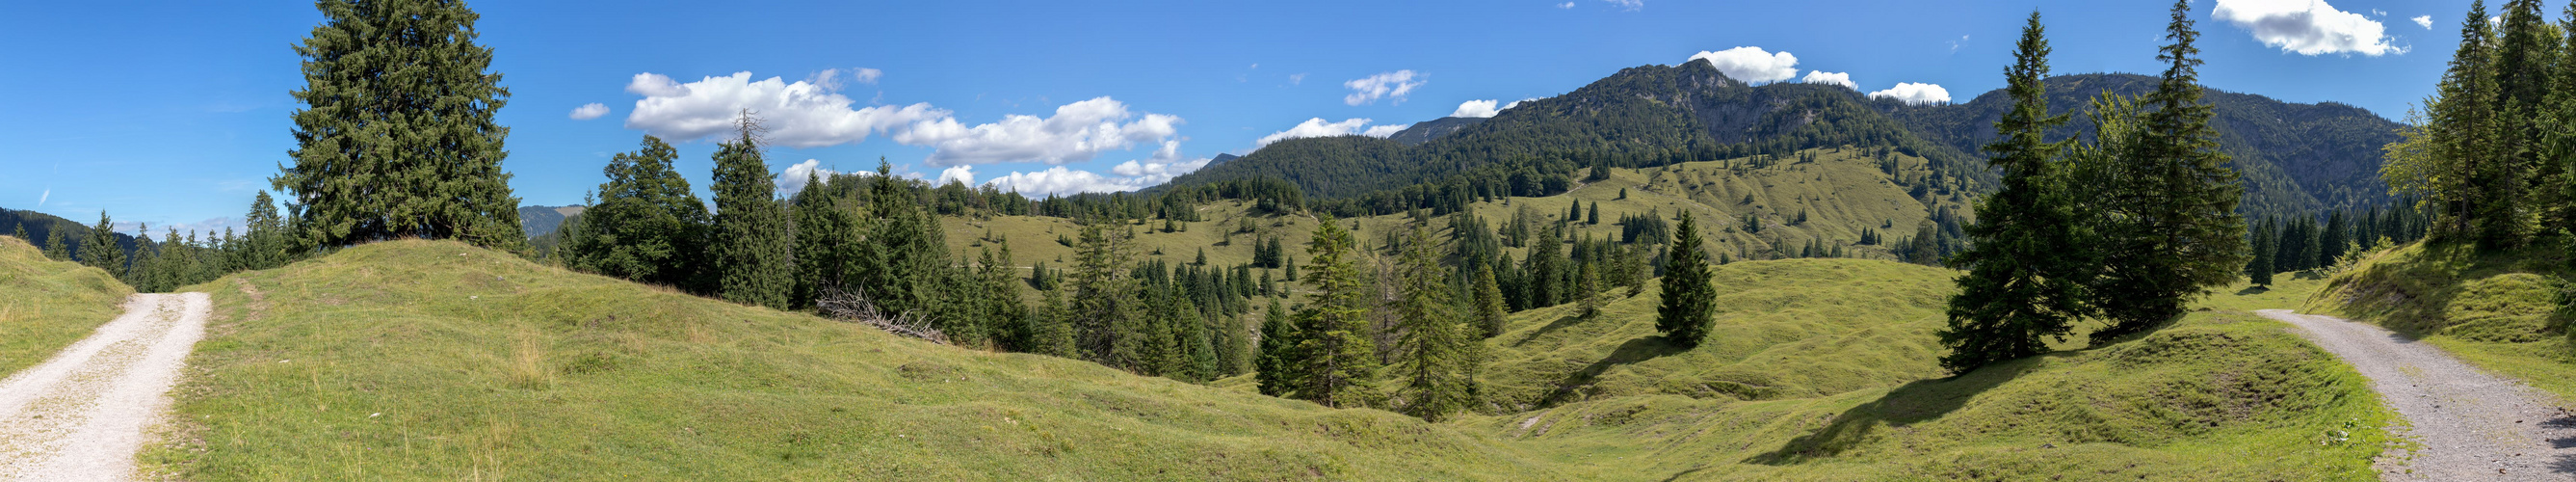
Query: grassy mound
<point x="435" y="360"/>
<point x="46" y="304"/>
<point x="2498" y="311"/>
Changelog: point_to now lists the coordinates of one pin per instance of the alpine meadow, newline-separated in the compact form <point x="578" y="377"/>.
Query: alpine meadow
<point x="1014" y="240"/>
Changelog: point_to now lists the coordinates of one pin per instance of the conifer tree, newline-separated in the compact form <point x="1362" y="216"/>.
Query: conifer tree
<point x="100" y="250"/>
<point x="1276" y="369"/>
<point x="1103" y="297"/>
<point x="2260" y="270"/>
<point x="397" y="136"/>
<point x="55" y="247"/>
<point x="2179" y="234"/>
<point x="754" y="245"/>
<point x="1689" y="300"/>
<point x="2527" y="53"/>
<point x="20" y="231"/>
<point x="1431" y="342"/>
<point x="1051" y="329"/>
<point x="2023" y="283"/>
<point x="1338" y="351"/>
<point x="138" y="271"/>
<point x="1489" y="303"/>
<point x="1587" y="290"/>
<point x="1545" y="268"/>
<point x="265" y="246"/>
<point x="828" y="245"/>
<point x="645" y="226"/>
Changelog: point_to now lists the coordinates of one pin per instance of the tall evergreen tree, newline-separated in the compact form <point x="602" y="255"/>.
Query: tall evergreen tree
<point x="2180" y="234"/>
<point x="828" y="244"/>
<point x="2023" y="283"/>
<point x="1339" y="352"/>
<point x="2261" y="269"/>
<point x="56" y="248"/>
<point x="1689" y="300"/>
<point x="100" y="250"/>
<point x="1430" y="344"/>
<point x="2465" y="129"/>
<point x="1277" y="369"/>
<point x="265" y="246"/>
<point x="1104" y="297"/>
<point x="2527" y="53"/>
<point x="397" y="136"/>
<point x="754" y="246"/>
<point x="645" y="225"/>
<point x="1489" y="303"/>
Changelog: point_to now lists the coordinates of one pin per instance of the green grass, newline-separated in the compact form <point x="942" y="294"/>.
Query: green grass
<point x="46" y="305"/>
<point x="2496" y="310"/>
<point x="433" y="360"/>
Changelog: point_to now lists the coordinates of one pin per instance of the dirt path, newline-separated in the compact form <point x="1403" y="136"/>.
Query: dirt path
<point x="2472" y="425"/>
<point x="81" y="415"/>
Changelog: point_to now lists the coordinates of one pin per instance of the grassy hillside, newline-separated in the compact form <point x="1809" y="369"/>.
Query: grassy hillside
<point x="434" y="360"/>
<point x="2496" y="310"/>
<point x="46" y="305"/>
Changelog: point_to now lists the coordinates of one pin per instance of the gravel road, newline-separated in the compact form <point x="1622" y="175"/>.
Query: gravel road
<point x="82" y="414"/>
<point x="2472" y="425"/>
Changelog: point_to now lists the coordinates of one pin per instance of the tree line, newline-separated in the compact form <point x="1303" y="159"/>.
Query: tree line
<point x="2487" y="155"/>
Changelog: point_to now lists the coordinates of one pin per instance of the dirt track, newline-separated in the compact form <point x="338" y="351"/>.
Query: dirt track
<point x="82" y="414"/>
<point x="2472" y="425"/>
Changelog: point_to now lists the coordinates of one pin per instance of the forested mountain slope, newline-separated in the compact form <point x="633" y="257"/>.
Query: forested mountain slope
<point x="40" y="228"/>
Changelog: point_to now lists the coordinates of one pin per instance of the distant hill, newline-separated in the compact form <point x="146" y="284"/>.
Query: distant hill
<point x="2295" y="158"/>
<point x="542" y="220"/>
<point x="40" y="226"/>
<point x="1425" y="131"/>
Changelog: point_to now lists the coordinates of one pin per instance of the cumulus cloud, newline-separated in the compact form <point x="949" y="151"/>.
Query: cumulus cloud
<point x="589" y="111"/>
<point x="2426" y="21"/>
<point x="1751" y="65"/>
<point x="1913" y="93"/>
<point x="1517" y="103"/>
<point x="866" y="75"/>
<point x="1835" y="78"/>
<point x="1385" y="85"/>
<point x="1629" y="5"/>
<point x="2308" y="27"/>
<point x="1077" y="132"/>
<point x="1316" y="127"/>
<point x="961" y="173"/>
<point x="1565" y="5"/>
<point x="1061" y="181"/>
<point x="792" y="180"/>
<point x="1475" y="108"/>
<point x="805" y="113"/>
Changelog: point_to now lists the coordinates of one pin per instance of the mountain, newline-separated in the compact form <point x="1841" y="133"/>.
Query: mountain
<point x="541" y="220"/>
<point x="1425" y="131"/>
<point x="2295" y="158"/>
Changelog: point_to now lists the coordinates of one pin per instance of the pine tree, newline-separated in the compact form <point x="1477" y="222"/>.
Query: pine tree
<point x="1103" y="297"/>
<point x="2180" y="233"/>
<point x="138" y="270"/>
<point x="2465" y="130"/>
<point x="1489" y="303"/>
<point x="2526" y="55"/>
<point x="56" y="248"/>
<point x="646" y="225"/>
<point x="1587" y="290"/>
<point x="397" y="137"/>
<point x="2260" y="270"/>
<point x="828" y="245"/>
<point x="20" y="231"/>
<point x="265" y="246"/>
<point x="1593" y="217"/>
<point x="100" y="250"/>
<point x="1051" y="329"/>
<point x="1545" y="268"/>
<point x="1277" y="369"/>
<point x="2023" y="285"/>
<point x="754" y="246"/>
<point x="1689" y="300"/>
<point x="1338" y="351"/>
<point x="1431" y="346"/>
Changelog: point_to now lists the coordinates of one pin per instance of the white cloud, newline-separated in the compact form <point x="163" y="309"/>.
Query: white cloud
<point x="2426" y="21"/>
<point x="1130" y="176"/>
<point x="1566" y="5"/>
<point x="1913" y="93"/>
<point x="1751" y="65"/>
<point x="793" y="179"/>
<point x="1384" y="85"/>
<point x="1516" y="103"/>
<point x="962" y="173"/>
<point x="1077" y="132"/>
<point x="801" y="114"/>
<point x="866" y="75"/>
<point x="1834" y="78"/>
<point x="1297" y="79"/>
<point x="2308" y="27"/>
<point x="1316" y="127"/>
<point x="40" y="198"/>
<point x="1629" y="5"/>
<point x="589" y="111"/>
<point x="1475" y="108"/>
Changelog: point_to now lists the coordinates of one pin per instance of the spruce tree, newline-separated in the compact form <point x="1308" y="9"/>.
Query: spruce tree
<point x="2023" y="284"/>
<point x="265" y="246"/>
<point x="828" y="244"/>
<point x="2260" y="270"/>
<point x="138" y="271"/>
<point x="1587" y="290"/>
<point x="20" y="231"/>
<point x="2527" y="53"/>
<point x="56" y="248"/>
<point x="1276" y="370"/>
<point x="1689" y="300"/>
<point x="1489" y="303"/>
<point x="1103" y="297"/>
<point x="397" y="136"/>
<point x="1051" y="328"/>
<point x="2180" y="234"/>
<point x="2464" y="129"/>
<point x="100" y="250"/>
<point x="646" y="225"/>
<point x="1337" y="349"/>
<point x="1430" y="344"/>
<point x="754" y="247"/>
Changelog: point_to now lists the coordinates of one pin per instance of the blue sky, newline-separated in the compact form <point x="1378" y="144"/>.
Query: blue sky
<point x="174" y="112"/>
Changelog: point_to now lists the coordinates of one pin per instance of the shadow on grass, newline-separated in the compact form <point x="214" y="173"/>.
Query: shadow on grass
<point x="1915" y="402"/>
<point x="1560" y="323"/>
<point x="2253" y="290"/>
<point x="1635" y="350"/>
<point x="2413" y="297"/>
